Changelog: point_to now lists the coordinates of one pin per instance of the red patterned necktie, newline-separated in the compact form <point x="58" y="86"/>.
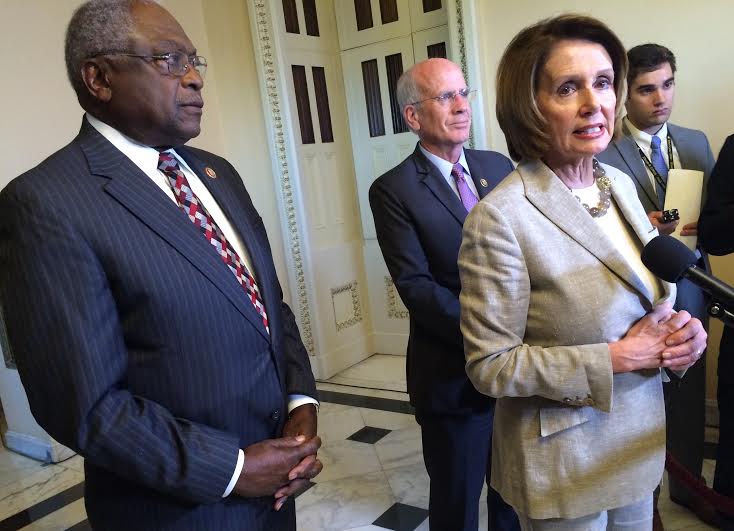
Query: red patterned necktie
<point x="200" y="217"/>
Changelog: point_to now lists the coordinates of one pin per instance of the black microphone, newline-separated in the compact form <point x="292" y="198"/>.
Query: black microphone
<point x="671" y="260"/>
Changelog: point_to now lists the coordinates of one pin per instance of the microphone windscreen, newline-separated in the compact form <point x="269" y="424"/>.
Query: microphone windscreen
<point x="667" y="258"/>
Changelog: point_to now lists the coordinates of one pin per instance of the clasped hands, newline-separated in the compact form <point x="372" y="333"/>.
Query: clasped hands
<point x="662" y="338"/>
<point x="282" y="467"/>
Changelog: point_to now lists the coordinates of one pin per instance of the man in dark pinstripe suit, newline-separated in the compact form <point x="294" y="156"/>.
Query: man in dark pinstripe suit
<point x="174" y="367"/>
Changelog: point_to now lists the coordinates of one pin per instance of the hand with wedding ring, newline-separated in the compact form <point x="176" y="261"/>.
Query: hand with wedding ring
<point x="662" y="338"/>
<point x="685" y="346"/>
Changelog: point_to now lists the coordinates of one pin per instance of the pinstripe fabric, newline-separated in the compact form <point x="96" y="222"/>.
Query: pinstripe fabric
<point x="134" y="341"/>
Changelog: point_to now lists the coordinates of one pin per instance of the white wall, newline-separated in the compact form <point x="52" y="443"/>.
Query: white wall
<point x="698" y="33"/>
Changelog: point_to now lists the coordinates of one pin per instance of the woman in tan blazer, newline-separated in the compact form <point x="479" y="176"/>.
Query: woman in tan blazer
<point x="561" y="321"/>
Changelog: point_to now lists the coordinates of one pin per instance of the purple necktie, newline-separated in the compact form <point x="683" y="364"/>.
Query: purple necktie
<point x="468" y="198"/>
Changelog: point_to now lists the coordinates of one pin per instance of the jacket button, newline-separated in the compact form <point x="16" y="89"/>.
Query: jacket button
<point x="275" y="415"/>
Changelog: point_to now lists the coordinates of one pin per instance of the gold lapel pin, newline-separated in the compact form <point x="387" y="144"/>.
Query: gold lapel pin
<point x="210" y="172"/>
<point x="483" y="182"/>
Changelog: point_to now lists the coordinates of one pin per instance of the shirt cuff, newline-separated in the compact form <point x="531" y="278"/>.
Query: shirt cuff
<point x="236" y="475"/>
<point x="293" y="402"/>
<point x="298" y="400"/>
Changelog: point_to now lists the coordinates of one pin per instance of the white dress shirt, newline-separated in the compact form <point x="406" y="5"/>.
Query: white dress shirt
<point x="146" y="158"/>
<point x="644" y="141"/>
<point x="445" y="167"/>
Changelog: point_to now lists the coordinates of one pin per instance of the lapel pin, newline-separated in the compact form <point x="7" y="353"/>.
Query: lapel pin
<point x="210" y="172"/>
<point x="483" y="182"/>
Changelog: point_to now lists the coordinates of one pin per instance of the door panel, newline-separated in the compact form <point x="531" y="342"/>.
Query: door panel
<point x="426" y="14"/>
<point x="432" y="42"/>
<point x="363" y="22"/>
<point x="380" y="141"/>
<point x="373" y="118"/>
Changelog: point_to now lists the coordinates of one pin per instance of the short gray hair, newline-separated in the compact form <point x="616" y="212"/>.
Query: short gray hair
<point x="407" y="90"/>
<point x="96" y="26"/>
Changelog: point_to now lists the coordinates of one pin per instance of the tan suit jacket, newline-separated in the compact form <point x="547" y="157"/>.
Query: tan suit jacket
<point x="543" y="292"/>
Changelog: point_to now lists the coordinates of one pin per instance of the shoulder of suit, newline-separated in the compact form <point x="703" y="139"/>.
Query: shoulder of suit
<point x="509" y="189"/>
<point x="204" y="156"/>
<point x="679" y="129"/>
<point x="60" y="169"/>
<point x="493" y="156"/>
<point x="613" y="152"/>
<point x="397" y="173"/>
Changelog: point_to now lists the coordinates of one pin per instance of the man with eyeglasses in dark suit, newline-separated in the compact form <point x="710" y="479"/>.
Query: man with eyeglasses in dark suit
<point x="141" y="300"/>
<point x="419" y="209"/>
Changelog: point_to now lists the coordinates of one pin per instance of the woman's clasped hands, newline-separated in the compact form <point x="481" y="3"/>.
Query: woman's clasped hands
<point x="662" y="338"/>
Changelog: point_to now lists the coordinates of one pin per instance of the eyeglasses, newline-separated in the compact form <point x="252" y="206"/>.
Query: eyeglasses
<point x="178" y="63"/>
<point x="450" y="96"/>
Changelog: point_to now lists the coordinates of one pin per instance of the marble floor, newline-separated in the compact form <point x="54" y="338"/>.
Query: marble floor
<point x="379" y="371"/>
<point x="373" y="479"/>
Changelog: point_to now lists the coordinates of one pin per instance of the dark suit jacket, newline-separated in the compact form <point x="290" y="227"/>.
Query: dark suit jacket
<point x="418" y="219"/>
<point x="716" y="224"/>
<point x="135" y="343"/>
<point x="716" y="236"/>
<point x="694" y="152"/>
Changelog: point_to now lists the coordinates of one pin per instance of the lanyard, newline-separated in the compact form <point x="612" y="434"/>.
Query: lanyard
<point x="658" y="178"/>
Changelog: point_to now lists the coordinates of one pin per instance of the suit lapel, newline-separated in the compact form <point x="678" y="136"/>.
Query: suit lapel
<point x="630" y="152"/>
<point x="630" y="209"/>
<point x="684" y="149"/>
<point x="432" y="178"/>
<point x="226" y="197"/>
<point x="136" y="192"/>
<point x="553" y="199"/>
<point x="483" y="184"/>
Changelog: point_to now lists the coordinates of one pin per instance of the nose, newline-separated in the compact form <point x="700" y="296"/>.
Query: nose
<point x="658" y="97"/>
<point x="192" y="79"/>
<point x="460" y="104"/>
<point x="591" y="103"/>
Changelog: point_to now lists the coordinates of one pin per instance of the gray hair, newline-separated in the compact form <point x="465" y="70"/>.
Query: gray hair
<point x="96" y="26"/>
<point x="407" y="90"/>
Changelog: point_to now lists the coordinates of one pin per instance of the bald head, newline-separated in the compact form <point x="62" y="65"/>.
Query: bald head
<point x="435" y="104"/>
<point x="415" y="83"/>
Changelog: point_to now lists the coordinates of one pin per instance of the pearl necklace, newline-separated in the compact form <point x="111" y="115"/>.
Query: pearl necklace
<point x="605" y="192"/>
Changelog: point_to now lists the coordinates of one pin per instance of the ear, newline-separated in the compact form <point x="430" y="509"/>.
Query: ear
<point x="94" y="76"/>
<point x="410" y="114"/>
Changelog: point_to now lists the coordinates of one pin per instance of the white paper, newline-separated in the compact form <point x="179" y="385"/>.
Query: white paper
<point x="684" y="193"/>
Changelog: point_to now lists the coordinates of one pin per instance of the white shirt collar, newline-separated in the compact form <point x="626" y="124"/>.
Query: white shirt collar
<point x="443" y="165"/>
<point x="144" y="157"/>
<point x="644" y="139"/>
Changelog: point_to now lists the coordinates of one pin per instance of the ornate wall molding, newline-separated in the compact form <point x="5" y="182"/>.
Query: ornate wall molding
<point x="356" y="316"/>
<point x="461" y="37"/>
<point x="463" y="34"/>
<point x="393" y="309"/>
<point x="280" y="149"/>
